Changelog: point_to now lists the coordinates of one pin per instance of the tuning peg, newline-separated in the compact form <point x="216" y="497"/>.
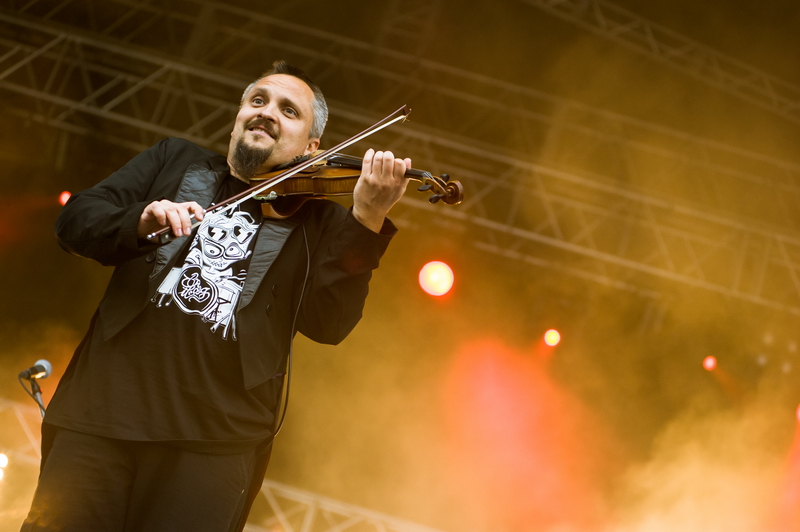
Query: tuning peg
<point x="435" y="198"/>
<point x="445" y="177"/>
<point x="425" y="188"/>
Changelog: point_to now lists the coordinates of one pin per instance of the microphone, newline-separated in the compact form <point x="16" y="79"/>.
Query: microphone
<point x="40" y="370"/>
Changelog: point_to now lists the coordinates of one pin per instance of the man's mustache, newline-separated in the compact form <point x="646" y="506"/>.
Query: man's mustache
<point x="266" y="125"/>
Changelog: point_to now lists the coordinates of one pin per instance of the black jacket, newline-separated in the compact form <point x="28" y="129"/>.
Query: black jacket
<point x="322" y="239"/>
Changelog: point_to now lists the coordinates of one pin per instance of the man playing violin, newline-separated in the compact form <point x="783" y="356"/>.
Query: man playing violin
<point x="165" y="416"/>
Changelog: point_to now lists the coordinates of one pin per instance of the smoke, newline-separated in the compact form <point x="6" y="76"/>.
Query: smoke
<point x="719" y="471"/>
<point x="525" y="453"/>
<point x="26" y="343"/>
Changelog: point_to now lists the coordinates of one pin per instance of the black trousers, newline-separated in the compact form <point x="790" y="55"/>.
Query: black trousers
<point x="92" y="483"/>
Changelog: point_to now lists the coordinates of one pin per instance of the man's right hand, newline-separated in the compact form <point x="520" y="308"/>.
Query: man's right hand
<point x="164" y="213"/>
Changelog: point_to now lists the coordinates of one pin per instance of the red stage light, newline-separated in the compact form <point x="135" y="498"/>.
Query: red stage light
<point x="436" y="278"/>
<point x="552" y="337"/>
<point x="63" y="197"/>
<point x="710" y="363"/>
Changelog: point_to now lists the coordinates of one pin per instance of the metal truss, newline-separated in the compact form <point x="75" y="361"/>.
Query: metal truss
<point x="680" y="52"/>
<point x="408" y="25"/>
<point x="295" y="510"/>
<point x="20" y="445"/>
<point x="601" y="232"/>
<point x="535" y="125"/>
<point x="559" y="211"/>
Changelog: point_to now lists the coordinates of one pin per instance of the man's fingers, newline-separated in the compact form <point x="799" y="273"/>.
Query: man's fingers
<point x="366" y="164"/>
<point x="388" y="164"/>
<point x="157" y="212"/>
<point x="382" y="165"/>
<point x="176" y="216"/>
<point x="198" y="211"/>
<point x="179" y="221"/>
<point x="182" y="224"/>
<point x="377" y="163"/>
<point x="399" y="168"/>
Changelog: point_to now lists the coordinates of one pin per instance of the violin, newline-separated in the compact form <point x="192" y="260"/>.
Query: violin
<point x="325" y="162"/>
<point x="337" y="175"/>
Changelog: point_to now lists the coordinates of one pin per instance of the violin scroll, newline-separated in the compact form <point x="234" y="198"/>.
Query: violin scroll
<point x="452" y="192"/>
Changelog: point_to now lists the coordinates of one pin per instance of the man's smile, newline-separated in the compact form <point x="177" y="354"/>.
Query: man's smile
<point x="263" y="129"/>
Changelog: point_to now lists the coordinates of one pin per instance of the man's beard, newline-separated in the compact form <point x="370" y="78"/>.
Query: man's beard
<point x="247" y="160"/>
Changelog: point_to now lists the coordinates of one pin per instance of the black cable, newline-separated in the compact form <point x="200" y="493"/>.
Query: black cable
<point x="285" y="394"/>
<point x="29" y="392"/>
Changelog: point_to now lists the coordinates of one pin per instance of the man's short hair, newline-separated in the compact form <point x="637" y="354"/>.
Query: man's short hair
<point x="318" y="106"/>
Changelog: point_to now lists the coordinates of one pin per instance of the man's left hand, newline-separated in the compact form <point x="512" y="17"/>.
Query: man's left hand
<point x="381" y="185"/>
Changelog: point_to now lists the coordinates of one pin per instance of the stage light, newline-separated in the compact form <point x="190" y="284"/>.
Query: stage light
<point x="63" y="197"/>
<point x="797" y="413"/>
<point x="552" y="337"/>
<point x="710" y="363"/>
<point x="436" y="278"/>
<point x="3" y="460"/>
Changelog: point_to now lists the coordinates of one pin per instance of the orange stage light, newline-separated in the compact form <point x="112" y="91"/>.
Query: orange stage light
<point x="436" y="278"/>
<point x="63" y="197"/>
<point x="710" y="363"/>
<point x="552" y="337"/>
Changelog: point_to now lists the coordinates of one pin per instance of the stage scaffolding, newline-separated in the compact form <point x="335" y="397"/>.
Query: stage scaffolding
<point x="548" y="181"/>
<point x="295" y="510"/>
<point x="680" y="52"/>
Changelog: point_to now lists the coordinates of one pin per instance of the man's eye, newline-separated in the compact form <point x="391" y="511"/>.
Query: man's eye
<point x="291" y="111"/>
<point x="258" y="101"/>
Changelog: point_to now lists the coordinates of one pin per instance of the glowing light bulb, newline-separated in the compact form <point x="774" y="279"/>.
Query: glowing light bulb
<point x="552" y="337"/>
<point x="710" y="363"/>
<point x="3" y="460"/>
<point x="63" y="197"/>
<point x="436" y="278"/>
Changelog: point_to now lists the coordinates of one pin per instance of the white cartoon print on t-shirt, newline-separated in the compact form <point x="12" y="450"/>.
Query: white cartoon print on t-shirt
<point x="212" y="276"/>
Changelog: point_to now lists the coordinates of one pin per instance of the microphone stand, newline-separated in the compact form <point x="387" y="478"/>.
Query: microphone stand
<point x="36" y="393"/>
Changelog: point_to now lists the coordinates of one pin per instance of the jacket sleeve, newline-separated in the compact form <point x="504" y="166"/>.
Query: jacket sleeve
<point x="340" y="269"/>
<point x="100" y="222"/>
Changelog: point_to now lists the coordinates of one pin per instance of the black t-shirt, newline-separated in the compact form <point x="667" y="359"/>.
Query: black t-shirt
<point x="174" y="373"/>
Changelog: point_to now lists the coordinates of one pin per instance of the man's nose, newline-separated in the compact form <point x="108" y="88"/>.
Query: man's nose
<point x="269" y="112"/>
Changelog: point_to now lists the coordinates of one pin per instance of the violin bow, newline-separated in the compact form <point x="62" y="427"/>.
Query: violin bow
<point x="165" y="234"/>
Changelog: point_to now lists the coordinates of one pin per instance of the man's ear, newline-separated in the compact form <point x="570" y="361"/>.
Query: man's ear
<point x="312" y="146"/>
